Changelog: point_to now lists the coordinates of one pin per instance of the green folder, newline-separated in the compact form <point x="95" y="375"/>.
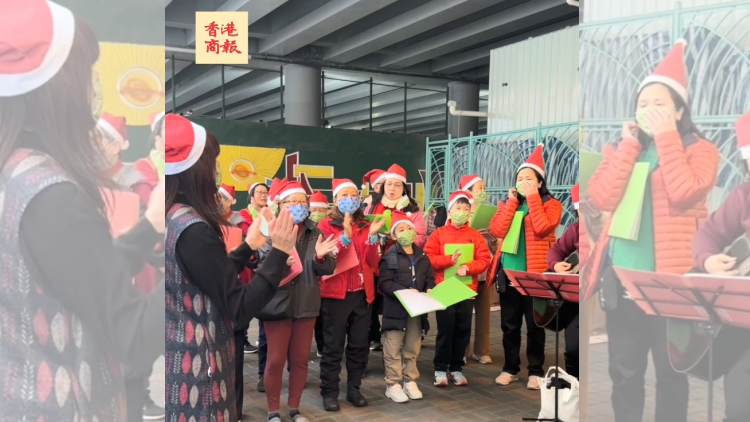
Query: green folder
<point x="588" y="162"/>
<point x="446" y="294"/>
<point x="467" y="255"/>
<point x="510" y="243"/>
<point x="626" y="220"/>
<point x="387" y="215"/>
<point x="482" y="217"/>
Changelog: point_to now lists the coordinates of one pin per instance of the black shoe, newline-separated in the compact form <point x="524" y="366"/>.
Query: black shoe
<point x="356" y="398"/>
<point x="250" y="349"/>
<point x="364" y="374"/>
<point x="261" y="387"/>
<point x="376" y="346"/>
<point x="331" y="404"/>
<point x="151" y="411"/>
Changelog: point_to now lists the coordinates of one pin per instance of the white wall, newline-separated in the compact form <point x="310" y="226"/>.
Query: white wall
<point x="542" y="82"/>
<point x="598" y="10"/>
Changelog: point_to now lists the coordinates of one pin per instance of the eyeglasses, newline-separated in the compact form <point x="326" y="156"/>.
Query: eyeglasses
<point x="294" y="203"/>
<point x="261" y="193"/>
<point x="393" y="184"/>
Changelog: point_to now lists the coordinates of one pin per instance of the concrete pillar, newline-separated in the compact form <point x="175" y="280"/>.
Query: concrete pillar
<point x="466" y="96"/>
<point x="302" y="95"/>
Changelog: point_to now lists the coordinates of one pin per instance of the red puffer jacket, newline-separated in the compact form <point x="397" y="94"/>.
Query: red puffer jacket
<point x="335" y="287"/>
<point x="452" y="235"/>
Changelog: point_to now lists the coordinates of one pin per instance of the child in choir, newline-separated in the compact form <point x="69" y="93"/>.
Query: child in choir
<point x="541" y="214"/>
<point x="729" y="223"/>
<point x="405" y="266"/>
<point x="563" y="248"/>
<point x="454" y="323"/>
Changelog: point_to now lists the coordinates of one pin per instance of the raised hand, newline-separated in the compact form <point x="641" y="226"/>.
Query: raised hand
<point x="348" y="226"/>
<point x="630" y="130"/>
<point x="513" y="193"/>
<point x="283" y="232"/>
<point x="377" y="225"/>
<point x="291" y="261"/>
<point x="455" y="256"/>
<point x="660" y="120"/>
<point x="529" y="188"/>
<point x="324" y="247"/>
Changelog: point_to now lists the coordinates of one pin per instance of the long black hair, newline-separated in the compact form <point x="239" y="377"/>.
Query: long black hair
<point x="543" y="190"/>
<point x="685" y="126"/>
<point x="155" y="132"/>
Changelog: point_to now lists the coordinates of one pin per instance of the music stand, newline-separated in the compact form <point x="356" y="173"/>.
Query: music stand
<point x="554" y="287"/>
<point x="702" y="298"/>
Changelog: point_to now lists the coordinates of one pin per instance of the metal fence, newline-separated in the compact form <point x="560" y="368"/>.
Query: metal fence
<point x="616" y="55"/>
<point x="496" y="158"/>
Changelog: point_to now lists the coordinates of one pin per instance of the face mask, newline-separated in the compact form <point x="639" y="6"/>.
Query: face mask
<point x="480" y="198"/>
<point x="317" y="216"/>
<point x="158" y="161"/>
<point x="299" y="213"/>
<point x="349" y="205"/>
<point x="275" y="208"/>
<point x="519" y="188"/>
<point x="406" y="238"/>
<point x="640" y="118"/>
<point x="459" y="218"/>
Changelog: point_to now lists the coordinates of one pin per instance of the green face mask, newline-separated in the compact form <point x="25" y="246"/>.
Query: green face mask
<point x="459" y="218"/>
<point x="158" y="161"/>
<point x="480" y="198"/>
<point x="275" y="208"/>
<point x="218" y="175"/>
<point x="406" y="238"/>
<point x="640" y="118"/>
<point x="519" y="188"/>
<point x="317" y="216"/>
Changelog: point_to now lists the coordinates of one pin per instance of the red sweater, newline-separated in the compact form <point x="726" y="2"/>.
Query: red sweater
<point x="337" y="286"/>
<point x="451" y="235"/>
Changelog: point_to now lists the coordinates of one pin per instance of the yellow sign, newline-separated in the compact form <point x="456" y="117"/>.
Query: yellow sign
<point x="221" y="38"/>
<point x="129" y="81"/>
<point x="242" y="166"/>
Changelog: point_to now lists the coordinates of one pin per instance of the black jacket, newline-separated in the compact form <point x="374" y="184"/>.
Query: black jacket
<point x="301" y="297"/>
<point x="396" y="274"/>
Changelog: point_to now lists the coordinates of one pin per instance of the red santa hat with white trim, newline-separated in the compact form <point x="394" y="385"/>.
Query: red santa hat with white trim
<point x="373" y="177"/>
<point x="228" y="192"/>
<point x="743" y="136"/>
<point x="114" y="126"/>
<point x="399" y="217"/>
<point x="455" y="196"/>
<point x="37" y="37"/>
<point x="468" y="181"/>
<point x="184" y="144"/>
<point x="339" y="184"/>
<point x="290" y="188"/>
<point x="275" y="188"/>
<point x="536" y="161"/>
<point x="574" y="195"/>
<point x="671" y="71"/>
<point x="155" y="119"/>
<point x="318" y="200"/>
<point x="396" y="172"/>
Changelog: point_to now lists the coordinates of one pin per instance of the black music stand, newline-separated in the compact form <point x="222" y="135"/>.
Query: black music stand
<point x="554" y="287"/>
<point x="702" y="298"/>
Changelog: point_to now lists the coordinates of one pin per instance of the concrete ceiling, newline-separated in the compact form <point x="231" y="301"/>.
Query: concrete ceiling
<point x="420" y="43"/>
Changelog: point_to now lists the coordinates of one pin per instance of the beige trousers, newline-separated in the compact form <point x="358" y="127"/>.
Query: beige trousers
<point x="400" y="352"/>
<point x="482" y="305"/>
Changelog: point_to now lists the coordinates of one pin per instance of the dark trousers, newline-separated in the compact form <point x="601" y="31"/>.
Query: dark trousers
<point x="735" y="390"/>
<point x="346" y="325"/>
<point x="135" y="386"/>
<point x="240" y="336"/>
<point x="571" y="347"/>
<point x="514" y="308"/>
<point x="632" y="334"/>
<point x="319" y="334"/>
<point x="454" y="334"/>
<point x="377" y="309"/>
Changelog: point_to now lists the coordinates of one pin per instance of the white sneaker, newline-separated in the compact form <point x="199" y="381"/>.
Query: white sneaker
<point x="506" y="378"/>
<point x="412" y="390"/>
<point x="533" y="383"/>
<point x="441" y="379"/>
<point x="396" y="393"/>
<point x="484" y="360"/>
<point x="459" y="379"/>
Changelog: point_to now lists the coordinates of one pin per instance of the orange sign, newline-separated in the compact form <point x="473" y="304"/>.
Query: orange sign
<point x="221" y="38"/>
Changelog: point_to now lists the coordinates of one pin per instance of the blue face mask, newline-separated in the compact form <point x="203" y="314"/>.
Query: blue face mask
<point x="299" y="213"/>
<point x="349" y="205"/>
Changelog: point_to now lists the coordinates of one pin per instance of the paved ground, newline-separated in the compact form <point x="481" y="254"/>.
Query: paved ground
<point x="480" y="401"/>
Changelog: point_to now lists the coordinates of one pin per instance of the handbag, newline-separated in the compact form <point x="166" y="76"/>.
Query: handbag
<point x="501" y="279"/>
<point x="567" y="400"/>
<point x="280" y="307"/>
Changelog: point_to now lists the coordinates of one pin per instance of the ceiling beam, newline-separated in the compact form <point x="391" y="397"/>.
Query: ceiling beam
<point x="256" y="9"/>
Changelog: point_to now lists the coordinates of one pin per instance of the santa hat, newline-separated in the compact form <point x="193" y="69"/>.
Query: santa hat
<point x="339" y="184"/>
<point x="318" y="200"/>
<point x="535" y="161"/>
<point x="37" y="36"/>
<point x="743" y="136"/>
<point x="397" y="173"/>
<point x="455" y="196"/>
<point x="116" y="127"/>
<point x="671" y="71"/>
<point x="273" y="191"/>
<point x="251" y="187"/>
<point x="398" y="217"/>
<point x="468" y="181"/>
<point x="373" y="177"/>
<point x="290" y="188"/>
<point x="155" y="118"/>
<point x="574" y="194"/>
<point x="228" y="192"/>
<point x="185" y="142"/>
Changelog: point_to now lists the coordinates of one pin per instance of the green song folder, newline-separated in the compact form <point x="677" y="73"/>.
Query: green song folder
<point x="445" y="294"/>
<point x="510" y="243"/>
<point x="387" y="215"/>
<point x="588" y="162"/>
<point x="467" y="255"/>
<point x="626" y="220"/>
<point x="482" y="217"/>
